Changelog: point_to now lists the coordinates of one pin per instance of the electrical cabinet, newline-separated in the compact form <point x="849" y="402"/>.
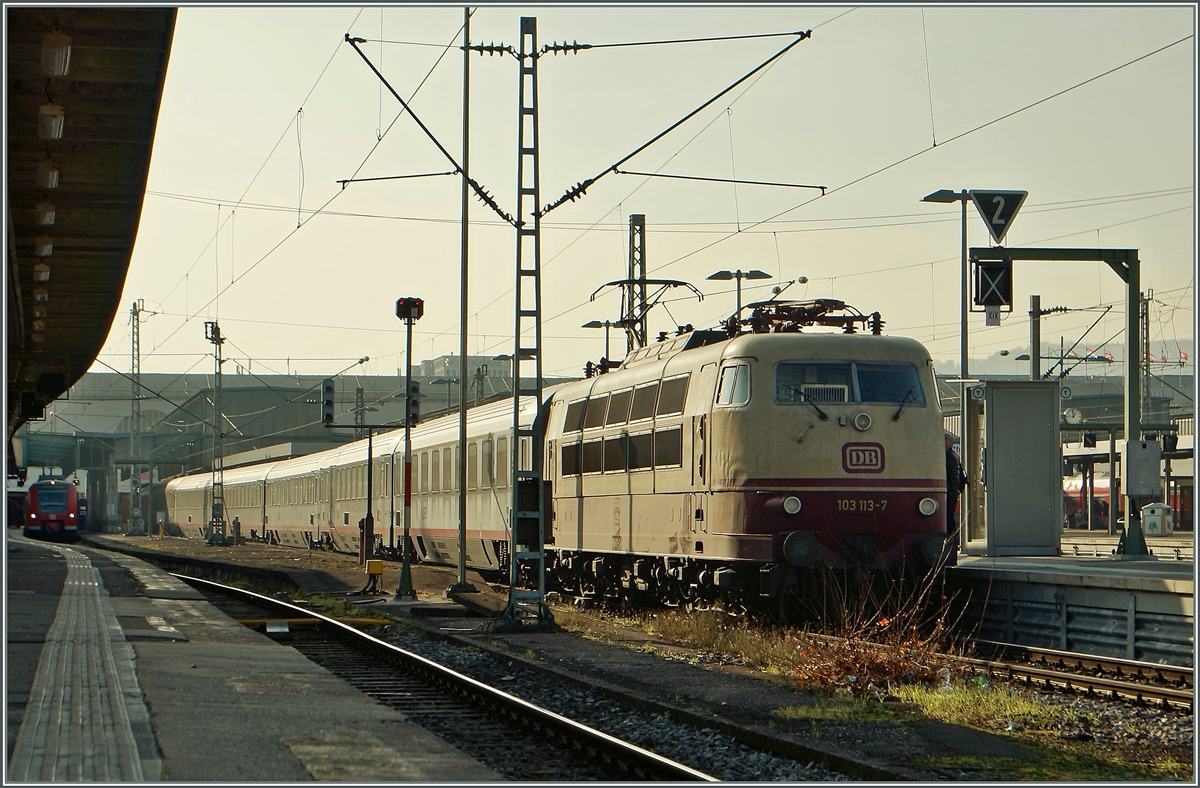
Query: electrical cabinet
<point x="1020" y="468"/>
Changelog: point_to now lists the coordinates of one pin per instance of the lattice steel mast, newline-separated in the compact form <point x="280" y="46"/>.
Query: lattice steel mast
<point x="216" y="524"/>
<point x="527" y="532"/>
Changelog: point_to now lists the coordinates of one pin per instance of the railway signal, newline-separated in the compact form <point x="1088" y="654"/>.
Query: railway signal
<point x="327" y="402"/>
<point x="414" y="403"/>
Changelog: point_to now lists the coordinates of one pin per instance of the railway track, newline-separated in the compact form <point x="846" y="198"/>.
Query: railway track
<point x="515" y="738"/>
<point x="1096" y="676"/>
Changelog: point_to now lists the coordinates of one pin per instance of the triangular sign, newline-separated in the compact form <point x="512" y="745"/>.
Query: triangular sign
<point x="998" y="209"/>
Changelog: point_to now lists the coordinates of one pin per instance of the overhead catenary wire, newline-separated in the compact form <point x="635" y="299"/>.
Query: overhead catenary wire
<point x="292" y="232"/>
<point x="955" y="138"/>
<point x="579" y="189"/>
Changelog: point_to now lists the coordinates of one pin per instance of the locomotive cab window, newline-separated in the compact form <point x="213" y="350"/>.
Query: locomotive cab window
<point x="890" y="384"/>
<point x="734" y="385"/>
<point x="813" y="381"/>
<point x="798" y="382"/>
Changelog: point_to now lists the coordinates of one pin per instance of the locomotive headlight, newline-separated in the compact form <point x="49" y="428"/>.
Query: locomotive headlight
<point x="33" y="515"/>
<point x="791" y="504"/>
<point x="71" y="515"/>
<point x="927" y="506"/>
<point x="862" y="421"/>
<point x="800" y="549"/>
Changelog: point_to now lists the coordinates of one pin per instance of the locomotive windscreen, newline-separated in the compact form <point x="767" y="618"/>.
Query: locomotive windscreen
<point x="840" y="381"/>
<point x="889" y="383"/>
<point x="51" y="501"/>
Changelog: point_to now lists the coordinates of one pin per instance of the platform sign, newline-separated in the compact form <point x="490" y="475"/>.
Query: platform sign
<point x="998" y="209"/>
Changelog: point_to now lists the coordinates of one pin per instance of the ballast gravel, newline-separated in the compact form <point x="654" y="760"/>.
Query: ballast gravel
<point x="703" y="749"/>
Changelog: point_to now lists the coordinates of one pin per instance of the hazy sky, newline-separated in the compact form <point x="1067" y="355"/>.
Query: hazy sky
<point x="265" y="109"/>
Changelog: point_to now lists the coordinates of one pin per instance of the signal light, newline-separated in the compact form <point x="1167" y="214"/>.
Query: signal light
<point x="414" y="403"/>
<point x="410" y="308"/>
<point x="327" y="401"/>
<point x="1089" y="440"/>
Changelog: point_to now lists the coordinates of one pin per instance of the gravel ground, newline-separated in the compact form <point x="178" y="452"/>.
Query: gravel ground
<point x="1121" y="723"/>
<point x="703" y="749"/>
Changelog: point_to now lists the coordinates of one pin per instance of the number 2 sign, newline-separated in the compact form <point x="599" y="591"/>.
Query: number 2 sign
<point x="998" y="209"/>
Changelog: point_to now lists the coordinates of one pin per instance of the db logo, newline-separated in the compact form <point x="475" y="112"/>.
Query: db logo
<point x="862" y="458"/>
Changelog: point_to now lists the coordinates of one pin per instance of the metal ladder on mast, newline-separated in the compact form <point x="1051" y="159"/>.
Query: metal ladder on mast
<point x="527" y="607"/>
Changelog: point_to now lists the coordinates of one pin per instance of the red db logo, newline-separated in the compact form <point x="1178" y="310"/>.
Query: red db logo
<point x="862" y="458"/>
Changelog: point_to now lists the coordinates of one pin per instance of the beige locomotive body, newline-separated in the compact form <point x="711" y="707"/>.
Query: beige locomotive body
<point x="834" y="437"/>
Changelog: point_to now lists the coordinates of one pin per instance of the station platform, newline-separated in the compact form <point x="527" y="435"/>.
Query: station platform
<point x="117" y="671"/>
<point x="1087" y="599"/>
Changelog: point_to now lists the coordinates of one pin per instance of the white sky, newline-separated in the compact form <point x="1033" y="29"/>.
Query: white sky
<point x="1110" y="163"/>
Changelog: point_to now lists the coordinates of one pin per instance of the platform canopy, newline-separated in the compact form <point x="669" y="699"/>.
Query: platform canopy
<point x="64" y="279"/>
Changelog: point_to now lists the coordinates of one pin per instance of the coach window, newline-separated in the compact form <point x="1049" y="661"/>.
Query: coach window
<point x="670" y="400"/>
<point x="488" y="460"/>
<point x="615" y="449"/>
<point x="448" y="468"/>
<point x="668" y="447"/>
<point x="473" y="466"/>
<point x="574" y="419"/>
<point x="618" y="407"/>
<point x="734" y="386"/>
<point x="593" y="457"/>
<point x="594" y="415"/>
<point x="569" y="454"/>
<point x="502" y="462"/>
<point x="435" y="471"/>
<point x="643" y="402"/>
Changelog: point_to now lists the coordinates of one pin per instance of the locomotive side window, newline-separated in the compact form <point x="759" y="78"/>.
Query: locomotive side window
<point x="594" y="416"/>
<point x="670" y="399"/>
<point x="889" y="383"/>
<point x="643" y="402"/>
<point x="593" y="457"/>
<point x="614" y="453"/>
<point x="803" y="381"/>
<point x="668" y="447"/>
<point x="734" y="386"/>
<point x="618" y="407"/>
<point x="574" y="420"/>
<point x="641" y="451"/>
<point x="570" y="459"/>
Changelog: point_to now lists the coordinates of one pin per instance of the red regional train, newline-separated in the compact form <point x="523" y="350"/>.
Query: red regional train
<point x="52" y="511"/>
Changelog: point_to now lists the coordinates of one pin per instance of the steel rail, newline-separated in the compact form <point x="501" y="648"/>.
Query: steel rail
<point x="637" y="763"/>
<point x="1097" y="685"/>
<point x="1177" y="675"/>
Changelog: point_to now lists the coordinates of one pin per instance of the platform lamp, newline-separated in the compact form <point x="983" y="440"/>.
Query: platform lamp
<point x="606" y="325"/>
<point x="739" y="275"/>
<point x="410" y="311"/>
<point x="950" y="196"/>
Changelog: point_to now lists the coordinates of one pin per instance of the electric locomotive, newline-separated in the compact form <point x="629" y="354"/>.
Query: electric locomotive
<point x="712" y="468"/>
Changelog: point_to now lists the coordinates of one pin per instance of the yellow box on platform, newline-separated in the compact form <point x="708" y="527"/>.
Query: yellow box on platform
<point x="374" y="567"/>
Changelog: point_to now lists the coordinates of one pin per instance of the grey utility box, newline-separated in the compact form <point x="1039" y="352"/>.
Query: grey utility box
<point x="1142" y="465"/>
<point x="1022" y="468"/>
